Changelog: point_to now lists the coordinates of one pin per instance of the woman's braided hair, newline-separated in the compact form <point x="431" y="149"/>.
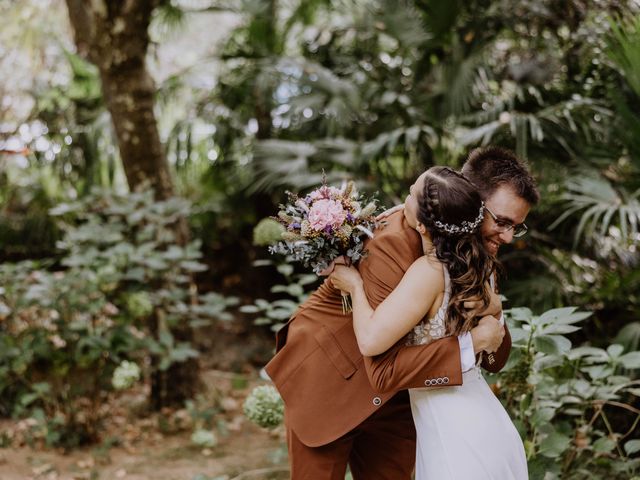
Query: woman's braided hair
<point x="449" y="198"/>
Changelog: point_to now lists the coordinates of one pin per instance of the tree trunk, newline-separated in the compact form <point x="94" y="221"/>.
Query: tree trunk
<point x="113" y="35"/>
<point x="129" y="97"/>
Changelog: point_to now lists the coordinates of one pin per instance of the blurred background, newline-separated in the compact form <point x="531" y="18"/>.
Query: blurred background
<point x="141" y="143"/>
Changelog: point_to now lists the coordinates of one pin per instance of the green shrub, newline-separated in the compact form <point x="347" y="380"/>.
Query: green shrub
<point x="572" y="406"/>
<point x="124" y="287"/>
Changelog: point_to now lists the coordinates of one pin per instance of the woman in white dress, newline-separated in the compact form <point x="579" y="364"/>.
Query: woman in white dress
<point x="463" y="432"/>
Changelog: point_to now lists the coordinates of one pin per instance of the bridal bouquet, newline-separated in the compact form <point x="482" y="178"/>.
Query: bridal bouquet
<point x="325" y="224"/>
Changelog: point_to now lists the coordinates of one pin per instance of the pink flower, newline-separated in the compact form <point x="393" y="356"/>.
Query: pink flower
<point x="324" y="192"/>
<point x="326" y="213"/>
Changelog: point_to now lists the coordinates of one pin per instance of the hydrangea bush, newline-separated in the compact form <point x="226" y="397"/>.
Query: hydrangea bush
<point x="264" y="406"/>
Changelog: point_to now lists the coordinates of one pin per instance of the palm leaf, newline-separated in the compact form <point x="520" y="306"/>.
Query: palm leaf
<point x="402" y="21"/>
<point x="623" y="50"/>
<point x="283" y="163"/>
<point x="600" y="203"/>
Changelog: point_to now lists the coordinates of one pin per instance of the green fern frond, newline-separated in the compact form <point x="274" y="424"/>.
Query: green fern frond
<point x="624" y="49"/>
<point x="600" y="205"/>
<point x="402" y="21"/>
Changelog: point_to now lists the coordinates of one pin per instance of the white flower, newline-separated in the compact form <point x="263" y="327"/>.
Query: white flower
<point x="204" y="438"/>
<point x="125" y="375"/>
<point x="264" y="406"/>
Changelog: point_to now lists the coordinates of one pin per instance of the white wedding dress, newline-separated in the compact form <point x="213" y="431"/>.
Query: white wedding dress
<point x="463" y="432"/>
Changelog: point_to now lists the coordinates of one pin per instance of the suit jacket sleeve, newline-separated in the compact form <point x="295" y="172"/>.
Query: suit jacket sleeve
<point x="496" y="362"/>
<point x="403" y="367"/>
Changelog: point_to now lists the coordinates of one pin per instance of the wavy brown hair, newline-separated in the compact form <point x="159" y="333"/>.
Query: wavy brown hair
<point x="450" y="198"/>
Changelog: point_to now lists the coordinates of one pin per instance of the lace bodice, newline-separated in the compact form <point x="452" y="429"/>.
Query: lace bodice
<point x="432" y="329"/>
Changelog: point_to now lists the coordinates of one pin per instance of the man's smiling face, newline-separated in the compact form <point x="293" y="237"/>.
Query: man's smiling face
<point x="509" y="208"/>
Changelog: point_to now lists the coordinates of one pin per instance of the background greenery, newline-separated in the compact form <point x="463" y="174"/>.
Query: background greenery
<point x="104" y="261"/>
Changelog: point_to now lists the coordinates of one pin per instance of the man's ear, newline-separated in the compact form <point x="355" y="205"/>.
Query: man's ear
<point x="422" y="230"/>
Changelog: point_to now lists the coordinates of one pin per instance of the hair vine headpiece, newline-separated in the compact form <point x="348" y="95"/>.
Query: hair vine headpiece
<point x="464" y="227"/>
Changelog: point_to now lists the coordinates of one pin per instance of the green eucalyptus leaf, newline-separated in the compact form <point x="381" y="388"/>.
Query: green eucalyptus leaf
<point x="615" y="350"/>
<point x="182" y="353"/>
<point x="630" y="360"/>
<point x="192" y="266"/>
<point x="604" y="445"/>
<point x="249" y="309"/>
<point x="521" y="314"/>
<point x="279" y="314"/>
<point x="565" y="315"/>
<point x="632" y="446"/>
<point x="559" y="329"/>
<point x="592" y="354"/>
<point x="554" y="445"/>
<point x="542" y="415"/>
<point x="155" y="263"/>
<point x="166" y="339"/>
<point x="518" y="334"/>
<point x="552" y="344"/>
<point x="285" y="269"/>
<point x="598" y="372"/>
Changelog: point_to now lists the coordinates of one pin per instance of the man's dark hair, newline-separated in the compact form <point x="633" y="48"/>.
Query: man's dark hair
<point x="490" y="167"/>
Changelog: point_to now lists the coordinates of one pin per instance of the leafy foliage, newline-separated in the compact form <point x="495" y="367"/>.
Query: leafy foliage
<point x="572" y="404"/>
<point x="81" y="320"/>
<point x="293" y="292"/>
<point x="376" y="91"/>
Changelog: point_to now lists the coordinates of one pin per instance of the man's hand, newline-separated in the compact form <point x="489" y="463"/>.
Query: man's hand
<point x="389" y="211"/>
<point x="487" y="335"/>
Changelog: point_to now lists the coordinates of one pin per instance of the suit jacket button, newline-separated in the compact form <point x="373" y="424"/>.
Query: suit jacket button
<point x="427" y="382"/>
<point x="377" y="401"/>
<point x="445" y="380"/>
<point x="439" y="381"/>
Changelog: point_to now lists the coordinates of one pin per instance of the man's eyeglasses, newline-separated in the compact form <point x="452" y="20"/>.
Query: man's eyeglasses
<point x="504" y="226"/>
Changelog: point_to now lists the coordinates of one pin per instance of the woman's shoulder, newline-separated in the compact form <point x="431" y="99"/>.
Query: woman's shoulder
<point x="427" y="267"/>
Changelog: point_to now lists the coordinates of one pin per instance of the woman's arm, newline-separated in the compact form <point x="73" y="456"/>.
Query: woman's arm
<point x="377" y="330"/>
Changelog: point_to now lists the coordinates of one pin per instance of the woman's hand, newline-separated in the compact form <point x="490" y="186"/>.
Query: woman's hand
<point x="346" y="279"/>
<point x="341" y="260"/>
<point x="389" y="211"/>
<point x="475" y="307"/>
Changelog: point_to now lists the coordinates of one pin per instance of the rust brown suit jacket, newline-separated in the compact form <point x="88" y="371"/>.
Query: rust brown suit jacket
<point x="327" y="386"/>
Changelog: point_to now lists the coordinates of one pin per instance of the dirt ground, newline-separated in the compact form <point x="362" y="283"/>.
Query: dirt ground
<point x="139" y="446"/>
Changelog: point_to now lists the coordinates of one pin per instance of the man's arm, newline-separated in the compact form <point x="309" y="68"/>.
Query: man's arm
<point x="415" y="366"/>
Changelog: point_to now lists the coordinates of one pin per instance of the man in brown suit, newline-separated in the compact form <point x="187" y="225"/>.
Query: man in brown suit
<point x="342" y="408"/>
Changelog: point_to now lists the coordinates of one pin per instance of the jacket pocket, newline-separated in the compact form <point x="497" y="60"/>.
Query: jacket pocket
<point x="332" y="349"/>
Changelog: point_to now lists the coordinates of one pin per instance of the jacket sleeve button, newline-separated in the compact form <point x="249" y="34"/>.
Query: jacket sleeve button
<point x="377" y="401"/>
